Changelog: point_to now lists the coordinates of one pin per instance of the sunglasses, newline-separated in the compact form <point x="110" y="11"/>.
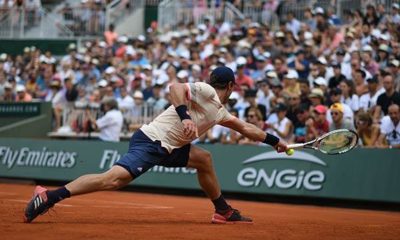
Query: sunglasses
<point x="334" y="113"/>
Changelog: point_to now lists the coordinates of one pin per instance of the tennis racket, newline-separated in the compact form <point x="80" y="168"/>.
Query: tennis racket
<point x="334" y="142"/>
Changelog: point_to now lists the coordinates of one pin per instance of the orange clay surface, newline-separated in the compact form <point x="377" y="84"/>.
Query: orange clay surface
<point x="126" y="215"/>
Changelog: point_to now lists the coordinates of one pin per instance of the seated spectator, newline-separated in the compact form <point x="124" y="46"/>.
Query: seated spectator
<point x="338" y="121"/>
<point x="250" y="97"/>
<point x="390" y="128"/>
<point x="335" y="97"/>
<point x="317" y="125"/>
<point x="348" y="95"/>
<point x="316" y="97"/>
<point x="22" y="95"/>
<point x="282" y="127"/>
<point x="386" y="99"/>
<point x="367" y="131"/>
<point x="110" y="125"/>
<point x="368" y="100"/>
<point x="254" y="117"/>
<point x="300" y="129"/>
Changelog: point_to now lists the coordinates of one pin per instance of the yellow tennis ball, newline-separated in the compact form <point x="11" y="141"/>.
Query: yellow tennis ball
<point x="290" y="152"/>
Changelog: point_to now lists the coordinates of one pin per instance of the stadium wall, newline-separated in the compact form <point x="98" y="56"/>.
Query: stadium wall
<point x="362" y="174"/>
<point x="57" y="47"/>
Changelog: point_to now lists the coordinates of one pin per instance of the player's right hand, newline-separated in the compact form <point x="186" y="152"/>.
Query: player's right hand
<point x="281" y="147"/>
<point x="190" y="129"/>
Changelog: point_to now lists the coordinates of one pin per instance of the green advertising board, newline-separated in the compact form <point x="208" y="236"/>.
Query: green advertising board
<point x="362" y="174"/>
<point x="19" y="109"/>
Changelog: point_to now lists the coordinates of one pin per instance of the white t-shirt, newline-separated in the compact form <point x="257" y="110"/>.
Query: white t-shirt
<point x="391" y="132"/>
<point x="110" y="125"/>
<point x="353" y="102"/>
<point x="367" y="101"/>
<point x="204" y="108"/>
<point x="281" y="127"/>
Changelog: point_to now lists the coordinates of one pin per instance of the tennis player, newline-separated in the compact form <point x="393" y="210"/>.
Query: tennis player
<point x="196" y="107"/>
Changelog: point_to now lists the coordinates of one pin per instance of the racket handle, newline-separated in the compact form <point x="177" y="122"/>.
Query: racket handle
<point x="294" y="146"/>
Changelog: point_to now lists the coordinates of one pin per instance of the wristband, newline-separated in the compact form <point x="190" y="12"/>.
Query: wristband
<point x="182" y="112"/>
<point x="271" y="140"/>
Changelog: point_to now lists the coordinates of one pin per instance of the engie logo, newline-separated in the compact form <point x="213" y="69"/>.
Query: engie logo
<point x="282" y="178"/>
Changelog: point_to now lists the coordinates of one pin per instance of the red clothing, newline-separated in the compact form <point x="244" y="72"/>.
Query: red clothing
<point x="244" y="80"/>
<point x="322" y="128"/>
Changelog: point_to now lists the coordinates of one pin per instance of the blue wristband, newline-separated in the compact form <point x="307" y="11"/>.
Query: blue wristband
<point x="182" y="112"/>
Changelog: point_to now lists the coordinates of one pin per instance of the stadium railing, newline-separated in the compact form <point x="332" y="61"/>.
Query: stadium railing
<point x="173" y="12"/>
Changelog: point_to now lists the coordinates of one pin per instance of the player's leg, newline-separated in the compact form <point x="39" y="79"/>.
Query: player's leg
<point x="201" y="160"/>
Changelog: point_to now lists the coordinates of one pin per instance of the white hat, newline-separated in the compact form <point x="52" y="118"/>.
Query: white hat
<point x="234" y="95"/>
<point x="103" y="83"/>
<point x="110" y="70"/>
<point x="322" y="60"/>
<point x="384" y="48"/>
<point x="271" y="74"/>
<point x="222" y="60"/>
<point x="223" y="50"/>
<point x="8" y="85"/>
<point x="102" y="44"/>
<point x="384" y="37"/>
<point x="196" y="67"/>
<point x="3" y="56"/>
<point x="395" y="5"/>
<point x="308" y="35"/>
<point x="147" y="67"/>
<point x="123" y="39"/>
<point x="395" y="63"/>
<point x="279" y="34"/>
<point x="138" y="94"/>
<point x="319" y="10"/>
<point x="141" y="38"/>
<point x="292" y="74"/>
<point x="241" y="61"/>
<point x="202" y="27"/>
<point x="320" y="81"/>
<point x="266" y="54"/>
<point x="182" y="74"/>
<point x="367" y="48"/>
<point x="130" y="51"/>
<point x="95" y="61"/>
<point x="20" y="88"/>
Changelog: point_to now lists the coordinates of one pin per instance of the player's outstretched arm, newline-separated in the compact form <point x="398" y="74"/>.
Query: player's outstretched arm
<point x="180" y="98"/>
<point x="255" y="133"/>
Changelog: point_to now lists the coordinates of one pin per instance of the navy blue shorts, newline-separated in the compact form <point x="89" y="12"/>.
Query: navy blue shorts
<point x="144" y="154"/>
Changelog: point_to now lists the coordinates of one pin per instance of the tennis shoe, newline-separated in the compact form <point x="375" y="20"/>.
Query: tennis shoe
<point x="38" y="205"/>
<point x="230" y="217"/>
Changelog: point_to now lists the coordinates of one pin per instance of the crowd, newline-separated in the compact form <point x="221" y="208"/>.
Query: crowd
<point x="298" y="81"/>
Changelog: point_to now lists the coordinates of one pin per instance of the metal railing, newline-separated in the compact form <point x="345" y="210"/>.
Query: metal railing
<point x="65" y="21"/>
<point x="171" y="13"/>
<point x="75" y="116"/>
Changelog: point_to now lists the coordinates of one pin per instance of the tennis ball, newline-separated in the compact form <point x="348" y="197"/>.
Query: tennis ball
<point x="290" y="152"/>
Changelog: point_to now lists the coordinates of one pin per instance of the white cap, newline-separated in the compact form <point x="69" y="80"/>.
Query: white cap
<point x="384" y="37"/>
<point x="222" y="60"/>
<point x="130" y="51"/>
<point x="196" y="67"/>
<point x="147" y="67"/>
<point x="271" y="74"/>
<point x="103" y="83"/>
<point x="241" y="61"/>
<point x="138" y="94"/>
<point x="320" y="81"/>
<point x="367" y="48"/>
<point x="3" y="56"/>
<point x="123" y="39"/>
<point x="266" y="55"/>
<point x="279" y="34"/>
<point x="322" y="60"/>
<point x="7" y="85"/>
<point x="384" y="48"/>
<point x="141" y="38"/>
<point x="234" y="95"/>
<point x="110" y="70"/>
<point x="395" y="63"/>
<point x="319" y="10"/>
<point x="308" y="35"/>
<point x="20" y="88"/>
<point x="95" y="61"/>
<point x="202" y="27"/>
<point x="395" y="5"/>
<point x="292" y="74"/>
<point x="182" y="74"/>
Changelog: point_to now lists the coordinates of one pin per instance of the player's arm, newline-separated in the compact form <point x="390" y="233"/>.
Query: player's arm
<point x="251" y="131"/>
<point x="180" y="96"/>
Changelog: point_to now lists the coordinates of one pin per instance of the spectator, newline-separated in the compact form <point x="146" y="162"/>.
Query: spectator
<point x="264" y="95"/>
<point x="250" y="97"/>
<point x="254" y="117"/>
<point x="337" y="76"/>
<point x="317" y="125"/>
<point x="369" y="99"/>
<point x="348" y="95"/>
<point x="22" y="95"/>
<point x="282" y="127"/>
<point x="367" y="131"/>
<point x="335" y="97"/>
<point x="338" y="121"/>
<point x="390" y="128"/>
<point x="386" y="99"/>
<point x="300" y="129"/>
<point x="110" y="125"/>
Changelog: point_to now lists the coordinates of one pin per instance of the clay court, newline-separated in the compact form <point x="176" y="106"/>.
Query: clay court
<point x="127" y="215"/>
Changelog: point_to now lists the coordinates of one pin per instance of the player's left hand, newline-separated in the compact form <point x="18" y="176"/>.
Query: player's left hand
<point x="281" y="146"/>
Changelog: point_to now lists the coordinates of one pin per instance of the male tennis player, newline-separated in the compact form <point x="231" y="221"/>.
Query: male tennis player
<point x="196" y="107"/>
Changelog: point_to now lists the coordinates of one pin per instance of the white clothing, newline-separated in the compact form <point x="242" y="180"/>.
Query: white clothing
<point x="391" y="132"/>
<point x="110" y="125"/>
<point x="367" y="101"/>
<point x="348" y="113"/>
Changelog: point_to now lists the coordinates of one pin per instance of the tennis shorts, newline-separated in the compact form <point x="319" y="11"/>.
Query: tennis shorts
<point x="145" y="153"/>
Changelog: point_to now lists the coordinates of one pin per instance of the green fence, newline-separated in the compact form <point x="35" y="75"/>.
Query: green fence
<point x="16" y="46"/>
<point x="363" y="174"/>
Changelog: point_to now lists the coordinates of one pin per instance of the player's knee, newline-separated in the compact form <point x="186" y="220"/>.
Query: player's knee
<point x="113" y="182"/>
<point x="206" y="163"/>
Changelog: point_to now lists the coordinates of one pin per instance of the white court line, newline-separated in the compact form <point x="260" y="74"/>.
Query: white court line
<point x="142" y="205"/>
<point x="7" y="193"/>
<point x="25" y="201"/>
